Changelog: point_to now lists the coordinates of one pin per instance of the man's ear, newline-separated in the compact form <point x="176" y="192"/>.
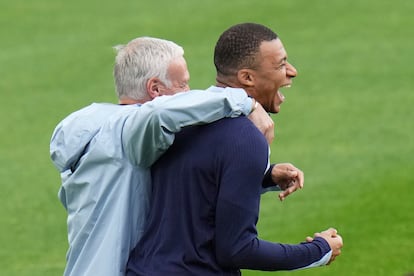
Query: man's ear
<point x="245" y="77"/>
<point x="153" y="87"/>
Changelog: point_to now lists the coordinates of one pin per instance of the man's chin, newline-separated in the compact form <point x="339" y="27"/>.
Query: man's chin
<point x="275" y="110"/>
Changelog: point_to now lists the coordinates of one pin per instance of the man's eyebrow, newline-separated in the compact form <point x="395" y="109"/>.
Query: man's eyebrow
<point x="284" y="59"/>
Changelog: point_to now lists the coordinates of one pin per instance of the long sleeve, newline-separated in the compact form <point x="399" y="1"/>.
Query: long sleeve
<point x="267" y="184"/>
<point x="237" y="243"/>
<point x="149" y="132"/>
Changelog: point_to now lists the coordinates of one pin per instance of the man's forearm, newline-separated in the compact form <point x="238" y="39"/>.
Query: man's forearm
<point x="150" y="131"/>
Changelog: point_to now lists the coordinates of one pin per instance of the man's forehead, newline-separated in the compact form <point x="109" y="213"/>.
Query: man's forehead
<point x="178" y="70"/>
<point x="273" y="50"/>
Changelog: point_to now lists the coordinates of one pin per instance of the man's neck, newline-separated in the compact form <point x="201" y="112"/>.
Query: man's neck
<point x="127" y="101"/>
<point x="222" y="81"/>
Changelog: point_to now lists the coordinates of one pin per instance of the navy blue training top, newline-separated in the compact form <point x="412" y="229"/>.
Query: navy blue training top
<point x="205" y="206"/>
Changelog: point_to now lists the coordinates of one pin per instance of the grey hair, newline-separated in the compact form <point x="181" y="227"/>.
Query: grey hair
<point x="138" y="61"/>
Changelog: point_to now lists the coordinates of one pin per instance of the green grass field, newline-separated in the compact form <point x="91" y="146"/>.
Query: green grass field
<point x="347" y="121"/>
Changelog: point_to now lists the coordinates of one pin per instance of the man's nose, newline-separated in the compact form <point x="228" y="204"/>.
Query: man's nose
<point x="291" y="70"/>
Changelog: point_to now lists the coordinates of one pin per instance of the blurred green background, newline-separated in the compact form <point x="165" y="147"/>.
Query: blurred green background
<point x="347" y="121"/>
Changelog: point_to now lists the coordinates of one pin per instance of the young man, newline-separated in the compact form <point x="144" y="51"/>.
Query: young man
<point x="206" y="187"/>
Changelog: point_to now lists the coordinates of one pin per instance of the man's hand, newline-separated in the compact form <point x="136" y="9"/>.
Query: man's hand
<point x="263" y="122"/>
<point x="288" y="178"/>
<point x="333" y="239"/>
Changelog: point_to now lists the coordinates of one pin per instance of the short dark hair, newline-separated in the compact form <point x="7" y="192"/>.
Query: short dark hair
<point x="237" y="47"/>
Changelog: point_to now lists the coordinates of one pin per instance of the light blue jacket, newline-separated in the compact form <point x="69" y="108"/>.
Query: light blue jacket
<point x="103" y="153"/>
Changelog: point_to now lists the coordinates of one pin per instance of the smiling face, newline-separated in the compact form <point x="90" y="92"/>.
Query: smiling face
<point x="270" y="72"/>
<point x="176" y="80"/>
<point x="178" y="76"/>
